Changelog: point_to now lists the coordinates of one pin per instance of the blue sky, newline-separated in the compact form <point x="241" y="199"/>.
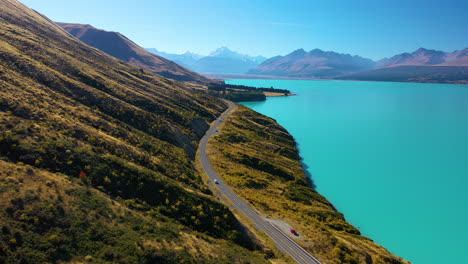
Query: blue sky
<point x="369" y="28"/>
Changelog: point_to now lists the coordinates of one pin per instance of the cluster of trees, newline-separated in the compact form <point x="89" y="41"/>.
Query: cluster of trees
<point x="247" y="96"/>
<point x="232" y="87"/>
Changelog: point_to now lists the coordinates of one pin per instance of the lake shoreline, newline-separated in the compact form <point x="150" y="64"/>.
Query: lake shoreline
<point x="349" y="121"/>
<point x="226" y="77"/>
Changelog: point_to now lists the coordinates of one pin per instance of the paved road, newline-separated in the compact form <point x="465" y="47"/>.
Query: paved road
<point x="283" y="242"/>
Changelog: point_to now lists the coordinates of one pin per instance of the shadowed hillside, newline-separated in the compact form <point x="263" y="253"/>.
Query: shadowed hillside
<point x="119" y="46"/>
<point x="96" y="157"/>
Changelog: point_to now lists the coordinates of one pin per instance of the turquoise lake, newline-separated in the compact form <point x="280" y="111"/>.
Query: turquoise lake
<point x="393" y="157"/>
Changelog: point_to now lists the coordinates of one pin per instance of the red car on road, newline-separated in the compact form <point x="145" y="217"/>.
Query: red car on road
<point x="294" y="232"/>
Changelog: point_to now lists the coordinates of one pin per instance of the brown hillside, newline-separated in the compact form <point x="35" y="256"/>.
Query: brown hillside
<point x="96" y="157"/>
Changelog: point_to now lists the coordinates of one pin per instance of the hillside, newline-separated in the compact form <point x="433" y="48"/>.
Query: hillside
<point x="316" y="63"/>
<point x="119" y="46"/>
<point x="260" y="161"/>
<point x="96" y="157"/>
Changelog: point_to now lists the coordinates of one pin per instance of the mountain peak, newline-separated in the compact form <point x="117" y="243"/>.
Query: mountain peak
<point x="223" y="52"/>
<point x="422" y="51"/>
<point x="316" y="52"/>
<point x="223" y="48"/>
<point x="298" y="51"/>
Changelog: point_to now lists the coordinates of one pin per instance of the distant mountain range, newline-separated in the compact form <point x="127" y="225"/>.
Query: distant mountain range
<point x="424" y="57"/>
<point x="119" y="46"/>
<point x="186" y="59"/>
<point x="421" y="65"/>
<point x="222" y="60"/>
<point x="317" y="63"/>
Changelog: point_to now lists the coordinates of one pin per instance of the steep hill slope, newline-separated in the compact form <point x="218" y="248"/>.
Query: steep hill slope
<point x="316" y="63"/>
<point x="97" y="157"/>
<point x="49" y="218"/>
<point x="119" y="46"/>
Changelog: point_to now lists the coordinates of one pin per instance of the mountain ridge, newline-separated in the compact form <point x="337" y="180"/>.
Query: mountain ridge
<point x="119" y="46"/>
<point x="421" y="65"/>
<point x="185" y="59"/>
<point x="316" y="62"/>
<point x="425" y="57"/>
<point x="221" y="60"/>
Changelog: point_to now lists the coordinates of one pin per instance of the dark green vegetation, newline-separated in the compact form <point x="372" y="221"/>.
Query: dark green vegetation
<point x="224" y="87"/>
<point x="242" y="93"/>
<point x="259" y="159"/>
<point x="47" y="218"/>
<point x="96" y="157"/>
<point x="239" y="96"/>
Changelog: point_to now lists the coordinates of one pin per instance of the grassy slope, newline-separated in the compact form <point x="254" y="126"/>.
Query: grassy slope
<point x="50" y="217"/>
<point x="258" y="158"/>
<point x="71" y="113"/>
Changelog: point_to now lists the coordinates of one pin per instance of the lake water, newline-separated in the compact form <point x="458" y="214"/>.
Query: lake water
<point x="393" y="157"/>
